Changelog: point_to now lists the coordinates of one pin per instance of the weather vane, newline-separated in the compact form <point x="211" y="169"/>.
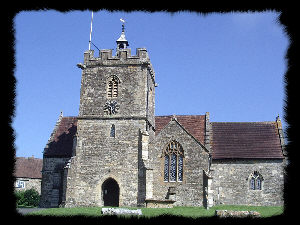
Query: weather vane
<point x="123" y="25"/>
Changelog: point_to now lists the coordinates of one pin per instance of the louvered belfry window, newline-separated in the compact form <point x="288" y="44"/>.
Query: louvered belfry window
<point x="173" y="162"/>
<point x="113" y="85"/>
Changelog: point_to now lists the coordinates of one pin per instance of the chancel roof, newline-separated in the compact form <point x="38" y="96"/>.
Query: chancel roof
<point x="258" y="140"/>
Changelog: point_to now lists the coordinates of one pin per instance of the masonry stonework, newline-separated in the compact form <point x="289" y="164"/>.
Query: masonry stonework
<point x="189" y="192"/>
<point x="231" y="182"/>
<point x="112" y="153"/>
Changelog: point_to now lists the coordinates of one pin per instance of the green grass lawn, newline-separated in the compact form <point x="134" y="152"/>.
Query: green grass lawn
<point x="265" y="211"/>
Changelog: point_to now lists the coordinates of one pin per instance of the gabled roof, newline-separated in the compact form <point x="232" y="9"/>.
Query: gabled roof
<point x="61" y="143"/>
<point x="229" y="139"/>
<point x="194" y="124"/>
<point x="28" y="167"/>
<point x="245" y="140"/>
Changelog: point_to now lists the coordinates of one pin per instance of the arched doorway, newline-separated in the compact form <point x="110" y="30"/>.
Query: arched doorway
<point x="110" y="192"/>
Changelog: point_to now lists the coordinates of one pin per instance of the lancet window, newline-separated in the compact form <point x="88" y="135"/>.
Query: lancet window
<point x="255" y="181"/>
<point x="112" y="131"/>
<point x="173" y="162"/>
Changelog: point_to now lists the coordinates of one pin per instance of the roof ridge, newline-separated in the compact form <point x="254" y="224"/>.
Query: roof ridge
<point x="179" y="115"/>
<point x="249" y="122"/>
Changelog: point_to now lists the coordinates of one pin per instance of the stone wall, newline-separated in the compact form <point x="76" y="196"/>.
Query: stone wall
<point x="30" y="183"/>
<point x="189" y="192"/>
<point x="132" y="73"/>
<point x="231" y="184"/>
<point x="99" y="156"/>
<point x="52" y="180"/>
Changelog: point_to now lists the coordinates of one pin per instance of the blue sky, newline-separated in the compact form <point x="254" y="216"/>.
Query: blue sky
<point x="231" y="65"/>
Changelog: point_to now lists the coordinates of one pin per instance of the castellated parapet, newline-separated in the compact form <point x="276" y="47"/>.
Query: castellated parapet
<point x="122" y="57"/>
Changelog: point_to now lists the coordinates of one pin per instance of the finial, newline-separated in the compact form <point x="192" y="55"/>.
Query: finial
<point x="277" y="118"/>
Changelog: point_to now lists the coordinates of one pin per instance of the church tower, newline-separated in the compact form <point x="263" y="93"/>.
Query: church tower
<point x="115" y="123"/>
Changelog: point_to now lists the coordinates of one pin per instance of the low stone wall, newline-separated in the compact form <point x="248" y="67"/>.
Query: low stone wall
<point x="231" y="213"/>
<point x="159" y="203"/>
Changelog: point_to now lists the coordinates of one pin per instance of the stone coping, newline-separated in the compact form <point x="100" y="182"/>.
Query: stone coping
<point x="160" y="201"/>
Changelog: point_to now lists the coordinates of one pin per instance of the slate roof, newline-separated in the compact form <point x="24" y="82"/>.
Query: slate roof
<point x="28" y="167"/>
<point x="245" y="140"/>
<point x="194" y="124"/>
<point x="61" y="143"/>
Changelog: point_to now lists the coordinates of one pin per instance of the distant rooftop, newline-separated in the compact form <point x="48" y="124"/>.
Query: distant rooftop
<point x="28" y="167"/>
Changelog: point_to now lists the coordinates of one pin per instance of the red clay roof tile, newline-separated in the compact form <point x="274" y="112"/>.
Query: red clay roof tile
<point x="62" y="142"/>
<point x="194" y="124"/>
<point x="245" y="140"/>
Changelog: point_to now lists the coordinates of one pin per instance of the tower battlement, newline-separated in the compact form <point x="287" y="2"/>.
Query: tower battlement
<point x="123" y="56"/>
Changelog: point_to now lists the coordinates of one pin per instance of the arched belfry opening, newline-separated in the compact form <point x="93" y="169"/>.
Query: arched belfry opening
<point x="110" y="192"/>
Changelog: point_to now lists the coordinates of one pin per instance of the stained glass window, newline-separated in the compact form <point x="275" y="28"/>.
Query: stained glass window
<point x="173" y="167"/>
<point x="252" y="183"/>
<point x="173" y="164"/>
<point x="180" y="167"/>
<point x="256" y="181"/>
<point x="166" y="169"/>
<point x="258" y="184"/>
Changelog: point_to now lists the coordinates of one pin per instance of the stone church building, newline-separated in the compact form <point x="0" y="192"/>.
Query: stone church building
<point x="116" y="152"/>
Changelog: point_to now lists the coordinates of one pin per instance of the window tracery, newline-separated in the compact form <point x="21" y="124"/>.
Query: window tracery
<point x="173" y="162"/>
<point x="256" y="180"/>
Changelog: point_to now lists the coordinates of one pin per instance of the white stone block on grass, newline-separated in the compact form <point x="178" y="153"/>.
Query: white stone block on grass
<point x="121" y="211"/>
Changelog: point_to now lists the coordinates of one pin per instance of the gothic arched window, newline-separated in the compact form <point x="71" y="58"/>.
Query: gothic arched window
<point x="256" y="180"/>
<point x="173" y="162"/>
<point x="112" y="87"/>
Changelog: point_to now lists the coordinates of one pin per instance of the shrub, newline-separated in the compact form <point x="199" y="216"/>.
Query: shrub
<point x="27" y="198"/>
<point x="20" y="198"/>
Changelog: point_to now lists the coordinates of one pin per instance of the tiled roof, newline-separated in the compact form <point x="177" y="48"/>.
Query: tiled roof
<point x="194" y="124"/>
<point x="28" y="167"/>
<point x="245" y="140"/>
<point x="62" y="140"/>
<point x="229" y="139"/>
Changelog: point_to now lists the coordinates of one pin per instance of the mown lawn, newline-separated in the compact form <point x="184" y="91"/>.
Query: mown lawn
<point x="265" y="211"/>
